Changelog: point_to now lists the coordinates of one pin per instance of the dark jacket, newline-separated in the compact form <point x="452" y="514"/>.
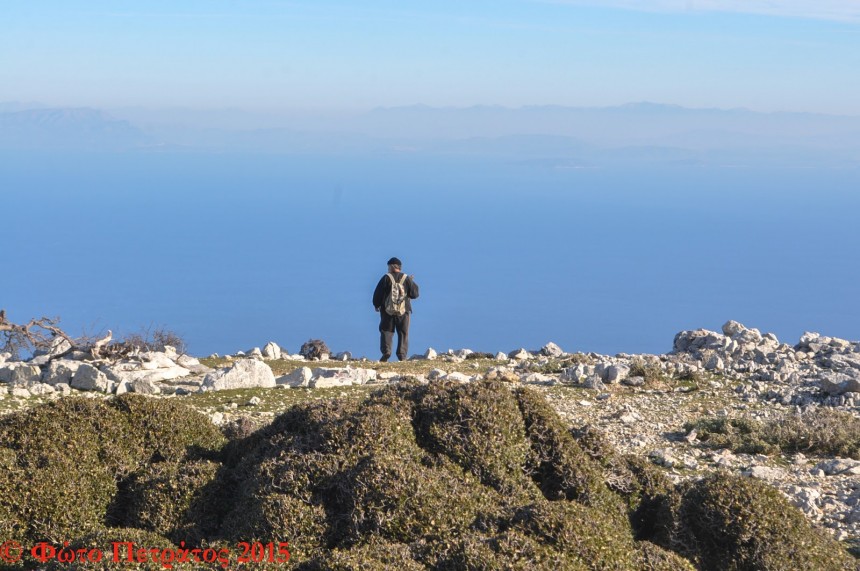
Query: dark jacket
<point x="383" y="288"/>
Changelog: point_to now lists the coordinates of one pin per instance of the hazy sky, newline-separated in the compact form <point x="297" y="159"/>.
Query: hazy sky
<point x="762" y="54"/>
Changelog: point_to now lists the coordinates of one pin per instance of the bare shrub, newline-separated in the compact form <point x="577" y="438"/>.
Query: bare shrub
<point x="155" y="339"/>
<point x="314" y="349"/>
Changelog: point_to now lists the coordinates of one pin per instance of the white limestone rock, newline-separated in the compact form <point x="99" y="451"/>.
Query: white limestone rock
<point x="60" y="371"/>
<point x="243" y="374"/>
<point x="20" y="392"/>
<point x="519" y="354"/>
<point x="40" y="389"/>
<point x="63" y="388"/>
<point x="88" y="378"/>
<point x="838" y="466"/>
<point x="193" y="365"/>
<point x="551" y="350"/>
<point x="272" y="351"/>
<point x="617" y="373"/>
<point x="324" y="377"/>
<point x="430" y="354"/>
<point x="457" y="377"/>
<point x="20" y="374"/>
<point x="537" y="379"/>
<point x="715" y="363"/>
<point x="301" y="377"/>
<point x="145" y="387"/>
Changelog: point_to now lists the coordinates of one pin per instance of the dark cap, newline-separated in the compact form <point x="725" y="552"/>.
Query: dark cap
<point x="394" y="262"/>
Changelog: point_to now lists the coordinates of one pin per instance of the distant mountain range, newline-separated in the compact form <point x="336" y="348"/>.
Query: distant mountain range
<point x="67" y="128"/>
<point x="567" y="136"/>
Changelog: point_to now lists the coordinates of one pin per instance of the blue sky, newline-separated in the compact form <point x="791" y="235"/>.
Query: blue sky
<point x="769" y="56"/>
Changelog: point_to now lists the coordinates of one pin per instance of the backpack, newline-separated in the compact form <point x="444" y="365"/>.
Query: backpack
<point x="395" y="303"/>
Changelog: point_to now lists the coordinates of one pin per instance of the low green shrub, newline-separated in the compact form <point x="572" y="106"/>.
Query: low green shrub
<point x="731" y="523"/>
<point x="819" y="431"/>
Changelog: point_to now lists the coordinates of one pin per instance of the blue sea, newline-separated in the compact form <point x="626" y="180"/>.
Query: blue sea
<point x="234" y="250"/>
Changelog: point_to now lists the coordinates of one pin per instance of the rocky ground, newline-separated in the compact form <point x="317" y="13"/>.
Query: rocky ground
<point x="644" y="404"/>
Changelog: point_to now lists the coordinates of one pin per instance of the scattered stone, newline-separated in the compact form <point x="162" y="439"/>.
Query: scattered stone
<point x="764" y="473"/>
<point x="254" y="401"/>
<point x="88" y="378"/>
<point x="301" y="377"/>
<point x="20" y="392"/>
<point x="60" y="371"/>
<point x="243" y="374"/>
<point x="271" y="351"/>
<point x="330" y="377"/>
<point x="839" y="466"/>
<point x="502" y="374"/>
<point x="430" y="354"/>
<point x="144" y="387"/>
<point x="616" y="373"/>
<point x="593" y="382"/>
<point x="457" y="377"/>
<point x="519" y="354"/>
<point x="551" y="350"/>
<point x="21" y="374"/>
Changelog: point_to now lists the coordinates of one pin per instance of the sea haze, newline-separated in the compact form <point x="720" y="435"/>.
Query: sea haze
<point x="233" y="249"/>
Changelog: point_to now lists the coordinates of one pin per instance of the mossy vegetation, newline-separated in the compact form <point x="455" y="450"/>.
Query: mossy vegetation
<point x="440" y="476"/>
<point x="725" y="522"/>
<point x="820" y="431"/>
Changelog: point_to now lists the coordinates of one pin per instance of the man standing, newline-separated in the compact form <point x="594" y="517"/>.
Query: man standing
<point x="392" y="298"/>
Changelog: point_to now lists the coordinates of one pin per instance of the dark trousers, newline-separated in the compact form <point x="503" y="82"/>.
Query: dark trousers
<point x="388" y="324"/>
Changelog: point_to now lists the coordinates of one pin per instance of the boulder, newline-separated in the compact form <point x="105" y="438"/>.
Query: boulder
<point x="731" y="328"/>
<point x="715" y="363"/>
<point x="573" y="374"/>
<point x="271" y="351"/>
<point x="502" y="374"/>
<point x="20" y="374"/>
<point x="193" y="365"/>
<point x="243" y="374"/>
<point x="40" y="389"/>
<point x="617" y="373"/>
<point x="457" y="377"/>
<point x="324" y="377"/>
<point x="63" y="388"/>
<point x="519" y="354"/>
<point x="20" y="392"/>
<point x="837" y="383"/>
<point x="145" y="387"/>
<point x="537" y="379"/>
<point x="88" y="378"/>
<point x="301" y="377"/>
<point x="593" y="382"/>
<point x="436" y="374"/>
<point x="60" y="371"/>
<point x="551" y="350"/>
<point x="153" y="366"/>
<point x="838" y="466"/>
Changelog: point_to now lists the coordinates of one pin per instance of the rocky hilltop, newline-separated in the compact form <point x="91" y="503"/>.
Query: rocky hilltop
<point x="735" y="401"/>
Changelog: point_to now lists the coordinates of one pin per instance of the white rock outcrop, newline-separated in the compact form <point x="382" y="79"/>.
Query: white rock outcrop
<point x="243" y="374"/>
